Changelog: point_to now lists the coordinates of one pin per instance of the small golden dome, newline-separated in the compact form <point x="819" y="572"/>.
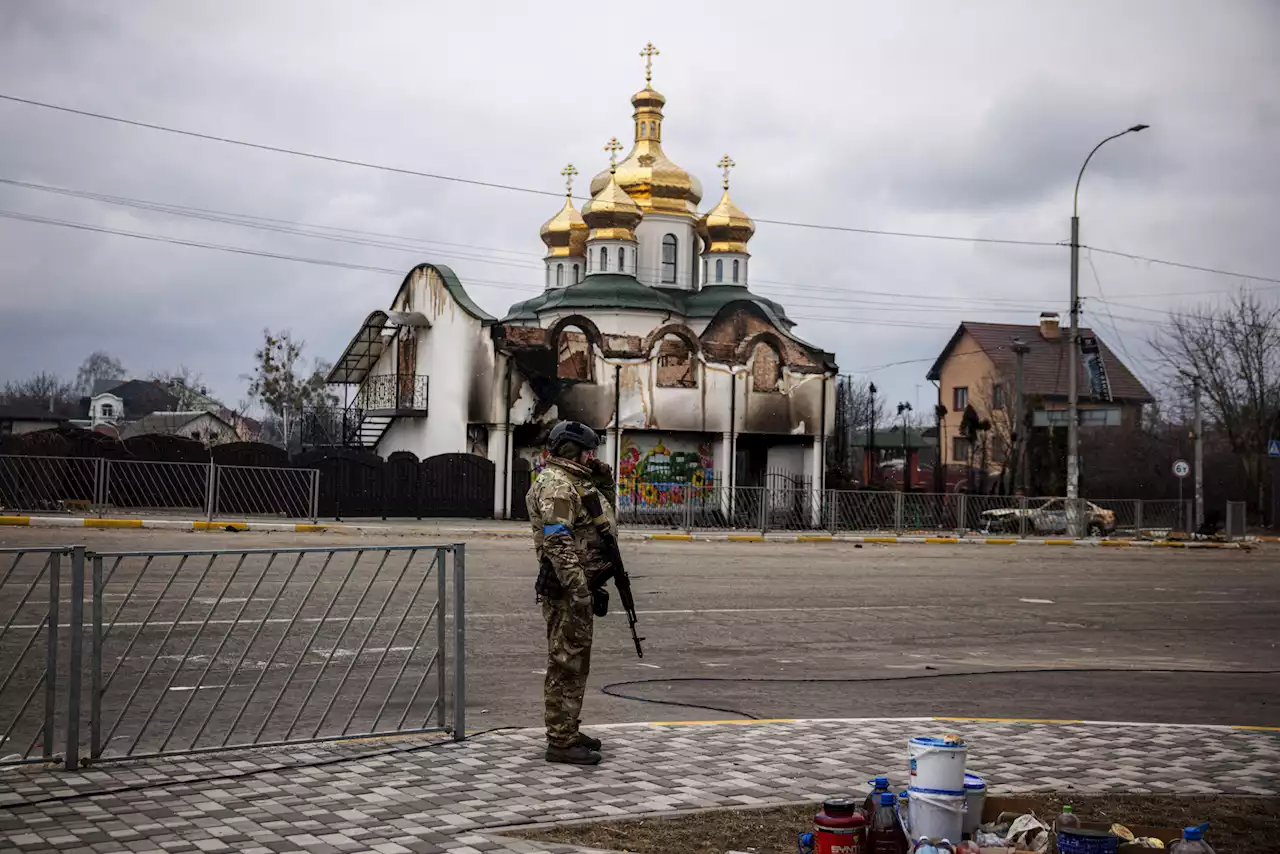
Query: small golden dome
<point x="565" y="233"/>
<point x="611" y="214"/>
<point x="647" y="175"/>
<point x="725" y="228"/>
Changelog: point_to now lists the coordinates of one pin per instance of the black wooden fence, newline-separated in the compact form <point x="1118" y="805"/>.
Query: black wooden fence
<point x="354" y="483"/>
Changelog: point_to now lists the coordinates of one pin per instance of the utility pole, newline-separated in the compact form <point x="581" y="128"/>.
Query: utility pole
<point x="1020" y="349"/>
<point x="1073" y="352"/>
<point x="869" y="462"/>
<point x="904" y="409"/>
<point x="1198" y="427"/>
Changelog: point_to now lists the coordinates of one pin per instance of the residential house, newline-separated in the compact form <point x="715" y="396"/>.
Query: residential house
<point x="16" y="418"/>
<point x="116" y="402"/>
<point x="978" y="368"/>
<point x="199" y="425"/>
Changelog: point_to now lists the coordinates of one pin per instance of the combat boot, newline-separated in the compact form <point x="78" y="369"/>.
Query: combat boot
<point x="576" y="755"/>
<point x="588" y="742"/>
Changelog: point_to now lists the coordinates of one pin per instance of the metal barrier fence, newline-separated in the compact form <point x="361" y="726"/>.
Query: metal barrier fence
<point x="1237" y="519"/>
<point x="95" y="485"/>
<point x="761" y="509"/>
<point x="197" y="651"/>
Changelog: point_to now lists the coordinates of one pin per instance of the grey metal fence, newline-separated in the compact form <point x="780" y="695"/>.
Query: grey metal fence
<point x="102" y="486"/>
<point x="196" y="651"/>
<point x="1237" y="519"/>
<point x="764" y="509"/>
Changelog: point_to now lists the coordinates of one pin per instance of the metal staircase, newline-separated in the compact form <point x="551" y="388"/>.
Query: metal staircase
<point x="382" y="399"/>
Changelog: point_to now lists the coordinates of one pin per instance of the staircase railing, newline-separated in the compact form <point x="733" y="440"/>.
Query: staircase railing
<point x="401" y="392"/>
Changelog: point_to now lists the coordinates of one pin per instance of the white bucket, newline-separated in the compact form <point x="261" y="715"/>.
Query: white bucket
<point x="975" y="795"/>
<point x="937" y="815"/>
<point x="937" y="763"/>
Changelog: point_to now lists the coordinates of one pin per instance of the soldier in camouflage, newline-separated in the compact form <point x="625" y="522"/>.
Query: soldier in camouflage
<point x="569" y="555"/>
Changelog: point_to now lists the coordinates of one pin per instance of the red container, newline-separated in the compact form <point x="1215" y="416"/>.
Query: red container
<point x="840" y="828"/>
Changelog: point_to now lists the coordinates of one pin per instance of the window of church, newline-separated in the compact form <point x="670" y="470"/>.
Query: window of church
<point x="653" y="129"/>
<point x="548" y="275"/>
<point x="560" y="274"/>
<point x="670" y="251"/>
<point x="735" y="272"/>
<point x="675" y="364"/>
<point x="622" y="260"/>
<point x="643" y="130"/>
<point x="604" y="259"/>
<point x="576" y="274"/>
<point x="719" y="269"/>
<point x="573" y="356"/>
<point x="766" y="368"/>
<point x="704" y="270"/>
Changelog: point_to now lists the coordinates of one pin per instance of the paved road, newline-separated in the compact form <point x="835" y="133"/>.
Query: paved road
<point x="915" y="615"/>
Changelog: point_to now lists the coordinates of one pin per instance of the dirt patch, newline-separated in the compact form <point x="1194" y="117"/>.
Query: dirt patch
<point x="1235" y="824"/>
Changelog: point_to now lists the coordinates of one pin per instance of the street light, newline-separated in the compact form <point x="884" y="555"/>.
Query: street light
<point x="1020" y="349"/>
<point x="1073" y="345"/>
<point x="904" y="409"/>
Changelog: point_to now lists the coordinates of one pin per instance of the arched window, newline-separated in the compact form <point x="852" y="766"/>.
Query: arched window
<point x="604" y="259"/>
<point x="675" y="364"/>
<point x="653" y="130"/>
<point x="573" y="355"/>
<point x="560" y="274"/>
<point x="548" y="275"/>
<point x="643" y="130"/>
<point x="766" y="368"/>
<point x="576" y="278"/>
<point x="670" y="250"/>
<point x="719" y="269"/>
<point x="735" y="271"/>
<point x="704" y="270"/>
<point x="622" y="260"/>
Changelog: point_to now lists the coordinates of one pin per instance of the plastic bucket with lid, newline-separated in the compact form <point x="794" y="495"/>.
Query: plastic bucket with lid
<point x="975" y="795"/>
<point x="937" y="814"/>
<point x="937" y="763"/>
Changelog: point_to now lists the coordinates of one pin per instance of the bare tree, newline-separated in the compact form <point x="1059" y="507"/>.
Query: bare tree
<point x="45" y="391"/>
<point x="857" y="412"/>
<point x="98" y="365"/>
<point x="283" y="386"/>
<point x="1233" y="346"/>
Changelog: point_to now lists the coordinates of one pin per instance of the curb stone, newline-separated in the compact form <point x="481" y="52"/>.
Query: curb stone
<point x="301" y="528"/>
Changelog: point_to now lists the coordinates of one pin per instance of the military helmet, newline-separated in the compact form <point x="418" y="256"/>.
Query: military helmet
<point x="572" y="431"/>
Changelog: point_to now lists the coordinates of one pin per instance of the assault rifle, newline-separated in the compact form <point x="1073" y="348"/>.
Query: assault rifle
<point x="616" y="571"/>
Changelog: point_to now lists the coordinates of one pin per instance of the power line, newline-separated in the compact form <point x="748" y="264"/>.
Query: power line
<point x="471" y="181"/>
<point x="1213" y="270"/>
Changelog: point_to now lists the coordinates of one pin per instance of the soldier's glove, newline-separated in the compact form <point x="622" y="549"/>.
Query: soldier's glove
<point x="600" y="602"/>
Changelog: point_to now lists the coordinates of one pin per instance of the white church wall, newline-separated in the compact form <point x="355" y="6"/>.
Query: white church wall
<point x="652" y="229"/>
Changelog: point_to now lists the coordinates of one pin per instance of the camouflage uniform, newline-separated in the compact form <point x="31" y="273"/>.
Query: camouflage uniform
<point x="564" y="534"/>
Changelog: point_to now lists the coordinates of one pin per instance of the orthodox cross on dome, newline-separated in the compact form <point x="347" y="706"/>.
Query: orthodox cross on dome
<point x="648" y="53"/>
<point x="568" y="172"/>
<point x="725" y="165"/>
<point x="613" y="147"/>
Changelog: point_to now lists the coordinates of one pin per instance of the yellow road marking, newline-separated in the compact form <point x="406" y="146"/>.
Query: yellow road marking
<point x="219" y="526"/>
<point x="994" y="542"/>
<point x="814" y="538"/>
<point x="1059" y="542"/>
<point x="15" y="520"/>
<point x="1259" y="728"/>
<point x="724" y="723"/>
<point x="879" y="539"/>
<point x="745" y="538"/>
<point x="113" y="523"/>
<point x="305" y="529"/>
<point x="941" y="539"/>
<point x="1014" y="720"/>
<point x="1116" y="543"/>
<point x="684" y="537"/>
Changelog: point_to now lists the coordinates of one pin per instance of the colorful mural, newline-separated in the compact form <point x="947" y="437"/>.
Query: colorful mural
<point x="654" y="470"/>
<point x="658" y="471"/>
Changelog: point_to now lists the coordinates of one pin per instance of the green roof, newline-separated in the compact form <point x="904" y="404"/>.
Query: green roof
<point x="611" y="290"/>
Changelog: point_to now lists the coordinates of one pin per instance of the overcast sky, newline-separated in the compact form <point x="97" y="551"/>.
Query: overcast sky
<point x="953" y="118"/>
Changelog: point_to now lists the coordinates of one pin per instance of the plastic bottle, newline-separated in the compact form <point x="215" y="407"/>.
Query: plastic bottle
<point x="879" y="786"/>
<point x="886" y="835"/>
<point x="1192" y="842"/>
<point x="1068" y="820"/>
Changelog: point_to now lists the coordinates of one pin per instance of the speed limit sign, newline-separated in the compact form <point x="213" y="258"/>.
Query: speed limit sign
<point x="1181" y="468"/>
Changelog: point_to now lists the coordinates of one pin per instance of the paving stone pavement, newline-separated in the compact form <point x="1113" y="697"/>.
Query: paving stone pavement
<point x="432" y="796"/>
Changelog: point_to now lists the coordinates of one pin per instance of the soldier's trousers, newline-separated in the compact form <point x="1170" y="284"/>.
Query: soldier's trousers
<point x="569" y="627"/>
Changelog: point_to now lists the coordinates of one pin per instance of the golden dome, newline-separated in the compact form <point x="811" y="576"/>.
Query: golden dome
<point x="611" y="214"/>
<point x="647" y="175"/>
<point x="725" y="228"/>
<point x="565" y="233"/>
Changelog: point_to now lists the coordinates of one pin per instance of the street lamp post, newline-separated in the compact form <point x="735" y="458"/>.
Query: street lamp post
<point x="869" y="463"/>
<point x="1073" y="349"/>
<point x="1020" y="349"/>
<point x="904" y="409"/>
